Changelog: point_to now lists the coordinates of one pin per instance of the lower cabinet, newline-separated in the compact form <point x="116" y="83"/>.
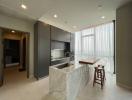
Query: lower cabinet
<point x="41" y="49"/>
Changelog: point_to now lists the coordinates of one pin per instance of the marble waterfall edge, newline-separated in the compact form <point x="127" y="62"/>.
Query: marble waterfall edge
<point x="67" y="82"/>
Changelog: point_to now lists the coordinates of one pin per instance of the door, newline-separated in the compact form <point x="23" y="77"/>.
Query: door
<point x="1" y="59"/>
<point x="24" y="54"/>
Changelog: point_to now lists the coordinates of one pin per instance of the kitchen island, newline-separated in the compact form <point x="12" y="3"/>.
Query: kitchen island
<point x="66" y="81"/>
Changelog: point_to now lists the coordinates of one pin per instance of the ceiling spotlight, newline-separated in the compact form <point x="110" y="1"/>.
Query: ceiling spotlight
<point x="55" y="15"/>
<point x="23" y="6"/>
<point x="100" y="7"/>
<point x="103" y="17"/>
<point x="74" y="26"/>
<point x="13" y="31"/>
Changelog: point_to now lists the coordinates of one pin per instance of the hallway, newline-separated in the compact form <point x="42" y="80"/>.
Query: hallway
<point x="18" y="87"/>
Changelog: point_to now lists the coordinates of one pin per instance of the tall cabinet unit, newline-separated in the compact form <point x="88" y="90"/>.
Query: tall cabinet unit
<point x="41" y="49"/>
<point x="48" y="38"/>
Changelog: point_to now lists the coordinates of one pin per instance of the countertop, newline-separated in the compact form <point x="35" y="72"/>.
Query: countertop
<point x="66" y="69"/>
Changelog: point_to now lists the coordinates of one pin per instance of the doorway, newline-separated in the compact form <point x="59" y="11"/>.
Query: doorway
<point x="11" y="53"/>
<point x="15" y="54"/>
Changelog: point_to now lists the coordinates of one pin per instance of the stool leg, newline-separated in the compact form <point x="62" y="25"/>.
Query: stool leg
<point x="101" y="80"/>
<point x="99" y="74"/>
<point x="94" y="77"/>
<point x="104" y="75"/>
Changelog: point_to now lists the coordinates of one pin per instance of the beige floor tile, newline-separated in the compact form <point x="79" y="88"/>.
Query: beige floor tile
<point x="18" y="87"/>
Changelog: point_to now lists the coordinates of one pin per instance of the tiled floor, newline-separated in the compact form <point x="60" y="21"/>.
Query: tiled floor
<point x="110" y="91"/>
<point x="18" y="87"/>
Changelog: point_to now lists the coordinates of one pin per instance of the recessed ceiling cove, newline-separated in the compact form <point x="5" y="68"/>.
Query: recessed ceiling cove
<point x="80" y="13"/>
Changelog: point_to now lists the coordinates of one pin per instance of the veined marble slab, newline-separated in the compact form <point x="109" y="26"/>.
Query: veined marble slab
<point x="66" y="83"/>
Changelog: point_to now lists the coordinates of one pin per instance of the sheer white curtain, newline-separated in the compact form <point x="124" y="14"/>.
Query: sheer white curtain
<point x="104" y="44"/>
<point x="104" y="40"/>
<point x="97" y="41"/>
<point x="88" y="42"/>
<point x="78" y="44"/>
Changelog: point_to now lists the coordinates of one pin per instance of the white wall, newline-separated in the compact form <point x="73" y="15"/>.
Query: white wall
<point x="124" y="45"/>
<point x="21" y="25"/>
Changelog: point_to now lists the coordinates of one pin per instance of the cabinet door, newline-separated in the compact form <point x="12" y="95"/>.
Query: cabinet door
<point x="42" y="49"/>
<point x="55" y="33"/>
<point x="68" y="37"/>
<point x="60" y="35"/>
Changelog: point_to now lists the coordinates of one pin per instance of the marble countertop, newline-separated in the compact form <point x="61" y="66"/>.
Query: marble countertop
<point x="68" y="68"/>
<point x="65" y="82"/>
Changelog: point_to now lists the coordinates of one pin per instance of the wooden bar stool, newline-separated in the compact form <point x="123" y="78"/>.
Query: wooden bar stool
<point x="99" y="75"/>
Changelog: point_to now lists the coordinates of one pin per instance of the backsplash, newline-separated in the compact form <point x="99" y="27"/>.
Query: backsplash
<point x="57" y="53"/>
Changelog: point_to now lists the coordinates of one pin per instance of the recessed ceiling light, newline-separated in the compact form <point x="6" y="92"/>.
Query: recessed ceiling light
<point x="74" y="26"/>
<point x="13" y="31"/>
<point x="55" y="15"/>
<point x="103" y="17"/>
<point x="100" y="7"/>
<point x="23" y="6"/>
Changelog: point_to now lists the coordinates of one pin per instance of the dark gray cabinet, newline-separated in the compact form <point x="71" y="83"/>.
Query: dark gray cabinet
<point x="45" y="37"/>
<point x="59" y="34"/>
<point x="41" y="49"/>
<point x="67" y="36"/>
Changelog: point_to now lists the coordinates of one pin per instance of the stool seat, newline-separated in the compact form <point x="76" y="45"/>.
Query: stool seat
<point x="99" y="75"/>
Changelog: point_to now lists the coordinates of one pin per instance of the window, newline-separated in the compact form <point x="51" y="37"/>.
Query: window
<point x="96" y="42"/>
<point x="88" y="42"/>
<point x="78" y="43"/>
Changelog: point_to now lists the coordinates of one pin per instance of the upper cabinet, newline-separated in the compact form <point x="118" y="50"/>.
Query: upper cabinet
<point x="60" y="35"/>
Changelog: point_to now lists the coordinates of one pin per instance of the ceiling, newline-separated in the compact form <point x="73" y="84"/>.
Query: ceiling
<point x="79" y="13"/>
